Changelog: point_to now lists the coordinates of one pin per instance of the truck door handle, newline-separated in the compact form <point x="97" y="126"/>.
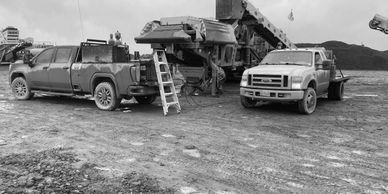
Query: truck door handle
<point x="65" y="67"/>
<point x="45" y="68"/>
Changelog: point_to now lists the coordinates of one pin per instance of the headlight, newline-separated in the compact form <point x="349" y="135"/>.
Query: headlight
<point x="244" y="79"/>
<point x="297" y="82"/>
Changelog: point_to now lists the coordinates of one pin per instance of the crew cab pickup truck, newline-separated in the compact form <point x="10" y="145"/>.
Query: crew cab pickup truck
<point x="93" y="68"/>
<point x="293" y="75"/>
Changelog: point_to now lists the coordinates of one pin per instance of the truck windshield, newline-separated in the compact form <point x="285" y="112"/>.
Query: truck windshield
<point x="288" y="58"/>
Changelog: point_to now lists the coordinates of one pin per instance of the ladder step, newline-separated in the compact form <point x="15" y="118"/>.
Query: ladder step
<point x="164" y="73"/>
<point x="169" y="94"/>
<point x="172" y="103"/>
<point x="168" y="83"/>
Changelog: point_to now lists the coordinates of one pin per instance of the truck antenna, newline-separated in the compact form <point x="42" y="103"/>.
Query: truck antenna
<point x="81" y="21"/>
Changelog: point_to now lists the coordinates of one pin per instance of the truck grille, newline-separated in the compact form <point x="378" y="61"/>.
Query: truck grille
<point x="268" y="81"/>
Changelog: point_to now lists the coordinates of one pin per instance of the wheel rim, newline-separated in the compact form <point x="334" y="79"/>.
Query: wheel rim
<point x="104" y="96"/>
<point x="20" y="89"/>
<point x="311" y="101"/>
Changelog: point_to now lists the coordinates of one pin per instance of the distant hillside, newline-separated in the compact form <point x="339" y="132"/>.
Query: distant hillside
<point x="354" y="57"/>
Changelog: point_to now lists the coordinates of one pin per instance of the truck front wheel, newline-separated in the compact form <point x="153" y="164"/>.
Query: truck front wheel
<point x="20" y="89"/>
<point x="145" y="99"/>
<point x="247" y="102"/>
<point x="105" y="97"/>
<point x="336" y="91"/>
<point x="309" y="102"/>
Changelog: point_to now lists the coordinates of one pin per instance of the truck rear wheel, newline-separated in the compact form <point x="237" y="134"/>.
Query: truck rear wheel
<point x="145" y="99"/>
<point x="20" y="89"/>
<point x="247" y="102"/>
<point x="336" y="91"/>
<point x="309" y="102"/>
<point x="105" y="96"/>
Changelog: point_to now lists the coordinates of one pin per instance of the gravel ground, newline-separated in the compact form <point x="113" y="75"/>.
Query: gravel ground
<point x="66" y="145"/>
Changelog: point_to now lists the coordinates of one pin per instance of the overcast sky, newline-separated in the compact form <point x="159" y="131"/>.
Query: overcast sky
<point x="315" y="21"/>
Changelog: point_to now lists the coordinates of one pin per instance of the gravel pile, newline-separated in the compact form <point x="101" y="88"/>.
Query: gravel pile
<point x="52" y="171"/>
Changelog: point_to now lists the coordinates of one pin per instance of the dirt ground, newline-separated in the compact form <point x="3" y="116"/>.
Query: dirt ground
<point x="66" y="145"/>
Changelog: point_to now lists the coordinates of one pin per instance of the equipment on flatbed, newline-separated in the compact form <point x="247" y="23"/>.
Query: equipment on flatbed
<point x="238" y="39"/>
<point x="166" y="84"/>
<point x="8" y="52"/>
<point x="379" y="23"/>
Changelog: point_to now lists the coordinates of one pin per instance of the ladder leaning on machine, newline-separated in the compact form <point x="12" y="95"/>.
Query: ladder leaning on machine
<point x="167" y="90"/>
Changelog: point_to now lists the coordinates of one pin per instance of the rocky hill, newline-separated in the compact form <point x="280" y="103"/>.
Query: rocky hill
<point x="354" y="57"/>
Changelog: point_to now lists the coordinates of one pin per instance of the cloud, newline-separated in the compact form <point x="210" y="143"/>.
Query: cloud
<point x="315" y="21"/>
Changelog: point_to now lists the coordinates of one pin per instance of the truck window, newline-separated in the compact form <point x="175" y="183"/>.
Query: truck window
<point x="288" y="58"/>
<point x="318" y="58"/>
<point x="45" y="56"/>
<point x="63" y="55"/>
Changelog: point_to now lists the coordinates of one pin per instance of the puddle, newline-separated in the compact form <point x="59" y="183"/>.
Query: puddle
<point x="296" y="185"/>
<point x="225" y="192"/>
<point x="303" y="136"/>
<point x="253" y="146"/>
<point x="248" y="139"/>
<point x="137" y="143"/>
<point x="127" y="160"/>
<point x="358" y="152"/>
<point x="331" y="157"/>
<point x="366" y="95"/>
<point x="308" y="165"/>
<point x="168" y="136"/>
<point x="187" y="190"/>
<point x="193" y="153"/>
<point x="337" y="165"/>
<point x="103" y="169"/>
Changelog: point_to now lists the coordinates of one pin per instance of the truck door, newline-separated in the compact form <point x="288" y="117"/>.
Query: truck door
<point x="38" y="76"/>
<point x="323" y="76"/>
<point x="59" y="73"/>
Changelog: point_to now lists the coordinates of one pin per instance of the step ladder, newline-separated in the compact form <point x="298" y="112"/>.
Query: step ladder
<point x="166" y="84"/>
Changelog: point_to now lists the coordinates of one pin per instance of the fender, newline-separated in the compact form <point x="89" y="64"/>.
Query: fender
<point x="310" y="77"/>
<point x="12" y="75"/>
<point x="103" y="75"/>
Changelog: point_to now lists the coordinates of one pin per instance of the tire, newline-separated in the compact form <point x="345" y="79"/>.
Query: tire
<point x="247" y="102"/>
<point x="105" y="96"/>
<point x="20" y="89"/>
<point x="309" y="102"/>
<point x="336" y="91"/>
<point x="145" y="99"/>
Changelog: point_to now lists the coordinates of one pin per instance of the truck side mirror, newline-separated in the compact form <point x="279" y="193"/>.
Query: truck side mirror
<point x="326" y="65"/>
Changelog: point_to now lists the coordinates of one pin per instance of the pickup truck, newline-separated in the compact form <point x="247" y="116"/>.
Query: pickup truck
<point x="293" y="75"/>
<point x="93" y="68"/>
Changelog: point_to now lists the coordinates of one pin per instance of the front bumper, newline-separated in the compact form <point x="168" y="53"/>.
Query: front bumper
<point x="272" y="95"/>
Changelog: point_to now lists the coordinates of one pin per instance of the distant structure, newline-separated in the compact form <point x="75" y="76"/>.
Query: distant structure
<point x="10" y="35"/>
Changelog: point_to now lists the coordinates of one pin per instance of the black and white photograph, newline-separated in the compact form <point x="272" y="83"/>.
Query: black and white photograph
<point x="193" y="96"/>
